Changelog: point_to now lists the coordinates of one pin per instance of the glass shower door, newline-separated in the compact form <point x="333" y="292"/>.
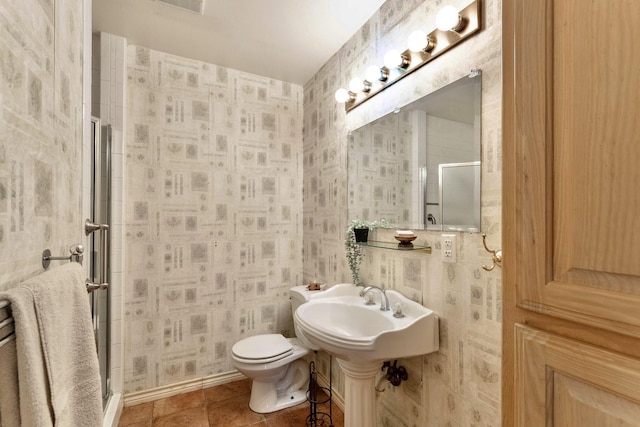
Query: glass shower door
<point x="99" y="262"/>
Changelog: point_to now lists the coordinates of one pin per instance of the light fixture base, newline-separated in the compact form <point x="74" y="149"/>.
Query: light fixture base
<point x="439" y="43"/>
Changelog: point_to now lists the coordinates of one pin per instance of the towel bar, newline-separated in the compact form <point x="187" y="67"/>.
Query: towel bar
<point x="7" y="328"/>
<point x="8" y="334"/>
<point x="77" y="252"/>
<point x="76" y="256"/>
<point x="7" y="339"/>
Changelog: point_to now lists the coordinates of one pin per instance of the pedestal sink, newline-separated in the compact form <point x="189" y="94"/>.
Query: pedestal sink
<point x="362" y="336"/>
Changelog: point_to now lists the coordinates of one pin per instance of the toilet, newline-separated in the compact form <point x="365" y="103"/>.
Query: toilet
<point x="273" y="362"/>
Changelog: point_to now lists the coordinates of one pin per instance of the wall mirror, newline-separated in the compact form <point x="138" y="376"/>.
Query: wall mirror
<point x="419" y="167"/>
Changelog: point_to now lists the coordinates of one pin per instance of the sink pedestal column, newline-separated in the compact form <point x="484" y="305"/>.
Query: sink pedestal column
<point x="359" y="390"/>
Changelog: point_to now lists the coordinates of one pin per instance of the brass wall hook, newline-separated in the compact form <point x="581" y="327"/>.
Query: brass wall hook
<point x="496" y="255"/>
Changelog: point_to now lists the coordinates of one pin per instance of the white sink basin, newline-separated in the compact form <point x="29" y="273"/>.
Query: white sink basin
<point x="338" y="322"/>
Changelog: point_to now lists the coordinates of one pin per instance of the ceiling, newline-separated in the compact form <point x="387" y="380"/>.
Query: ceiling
<point x="286" y="40"/>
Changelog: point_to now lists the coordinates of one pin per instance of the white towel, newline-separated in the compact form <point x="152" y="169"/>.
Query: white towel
<point x="58" y="369"/>
<point x="32" y="378"/>
<point x="9" y="401"/>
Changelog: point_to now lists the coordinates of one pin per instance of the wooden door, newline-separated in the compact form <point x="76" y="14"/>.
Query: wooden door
<point x="571" y="212"/>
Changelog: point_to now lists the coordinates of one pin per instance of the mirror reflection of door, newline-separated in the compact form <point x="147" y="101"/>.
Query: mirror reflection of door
<point x="459" y="195"/>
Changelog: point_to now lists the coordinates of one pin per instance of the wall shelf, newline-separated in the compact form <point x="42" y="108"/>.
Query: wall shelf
<point x="394" y="246"/>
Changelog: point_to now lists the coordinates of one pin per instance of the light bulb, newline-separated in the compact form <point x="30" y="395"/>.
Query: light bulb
<point x="343" y="95"/>
<point x="393" y="59"/>
<point x="374" y="73"/>
<point x="419" y="41"/>
<point x="356" y="85"/>
<point x="448" y="19"/>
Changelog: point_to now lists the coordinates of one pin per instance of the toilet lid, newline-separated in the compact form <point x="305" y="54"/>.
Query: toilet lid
<point x="261" y="347"/>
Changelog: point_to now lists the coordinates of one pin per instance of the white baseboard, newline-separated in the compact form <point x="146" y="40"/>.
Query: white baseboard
<point x="113" y="411"/>
<point x="181" y="387"/>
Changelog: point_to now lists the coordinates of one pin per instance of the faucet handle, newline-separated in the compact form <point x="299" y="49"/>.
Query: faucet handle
<point x="369" y="300"/>
<point x="397" y="310"/>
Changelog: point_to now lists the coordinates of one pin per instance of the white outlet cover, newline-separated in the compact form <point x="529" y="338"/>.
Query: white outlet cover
<point x="449" y="248"/>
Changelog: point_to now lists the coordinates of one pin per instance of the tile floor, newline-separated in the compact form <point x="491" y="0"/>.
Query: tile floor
<point x="226" y="405"/>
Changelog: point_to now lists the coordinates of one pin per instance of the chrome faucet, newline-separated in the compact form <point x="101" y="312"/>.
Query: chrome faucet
<point x="384" y="301"/>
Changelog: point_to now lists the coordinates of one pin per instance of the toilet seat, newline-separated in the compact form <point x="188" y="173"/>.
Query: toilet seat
<point x="262" y="348"/>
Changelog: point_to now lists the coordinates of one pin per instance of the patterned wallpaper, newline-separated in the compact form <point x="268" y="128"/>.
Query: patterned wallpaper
<point x="41" y="66"/>
<point x="213" y="221"/>
<point x="460" y="384"/>
<point x="380" y="165"/>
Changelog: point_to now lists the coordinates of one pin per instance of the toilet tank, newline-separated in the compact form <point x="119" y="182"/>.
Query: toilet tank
<point x="299" y="295"/>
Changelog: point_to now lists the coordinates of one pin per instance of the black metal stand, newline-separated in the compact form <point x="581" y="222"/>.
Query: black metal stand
<point x="315" y="397"/>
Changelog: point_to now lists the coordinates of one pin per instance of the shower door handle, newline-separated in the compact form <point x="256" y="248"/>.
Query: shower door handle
<point x="102" y="282"/>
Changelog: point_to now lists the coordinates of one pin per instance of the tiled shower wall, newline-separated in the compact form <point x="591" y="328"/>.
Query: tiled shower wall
<point x="460" y="384"/>
<point x="213" y="219"/>
<point x="41" y="102"/>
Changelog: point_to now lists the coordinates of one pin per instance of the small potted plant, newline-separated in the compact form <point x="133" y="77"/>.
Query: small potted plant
<point x="361" y="228"/>
<point x="353" y="249"/>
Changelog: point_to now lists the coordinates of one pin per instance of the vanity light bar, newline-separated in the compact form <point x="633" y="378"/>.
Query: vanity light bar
<point x="404" y="63"/>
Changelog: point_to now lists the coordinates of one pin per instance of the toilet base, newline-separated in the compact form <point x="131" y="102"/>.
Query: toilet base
<point x="290" y="390"/>
<point x="266" y="401"/>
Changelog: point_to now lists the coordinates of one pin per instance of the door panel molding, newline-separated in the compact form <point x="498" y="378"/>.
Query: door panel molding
<point x="545" y="359"/>
<point x="571" y="302"/>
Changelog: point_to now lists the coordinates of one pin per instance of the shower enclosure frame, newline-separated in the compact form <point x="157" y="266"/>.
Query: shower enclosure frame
<point x="100" y="205"/>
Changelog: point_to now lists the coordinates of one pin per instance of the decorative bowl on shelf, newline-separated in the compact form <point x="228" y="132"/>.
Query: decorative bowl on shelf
<point x="405" y="240"/>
